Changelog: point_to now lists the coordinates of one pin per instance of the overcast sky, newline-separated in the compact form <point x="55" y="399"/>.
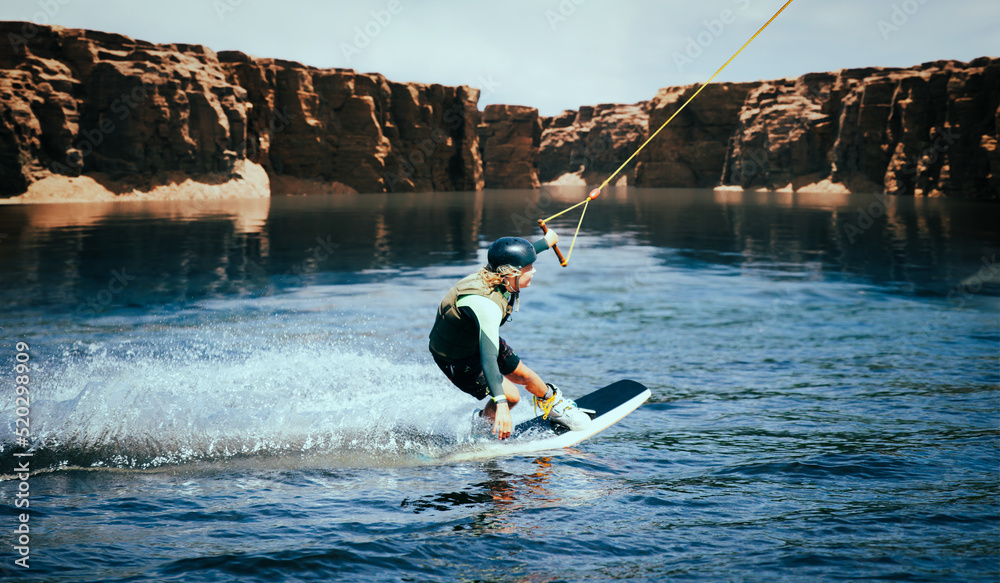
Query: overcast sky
<point x="554" y="54"/>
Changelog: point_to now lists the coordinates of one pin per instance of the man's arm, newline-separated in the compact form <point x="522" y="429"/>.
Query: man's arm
<point x="488" y="315"/>
<point x="543" y="244"/>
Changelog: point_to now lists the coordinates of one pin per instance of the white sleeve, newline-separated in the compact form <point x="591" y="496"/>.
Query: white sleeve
<point x="488" y="313"/>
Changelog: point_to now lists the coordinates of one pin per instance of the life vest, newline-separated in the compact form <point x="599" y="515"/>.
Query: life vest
<point x="455" y="336"/>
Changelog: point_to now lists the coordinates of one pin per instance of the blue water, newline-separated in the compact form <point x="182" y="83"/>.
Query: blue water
<point x="240" y="391"/>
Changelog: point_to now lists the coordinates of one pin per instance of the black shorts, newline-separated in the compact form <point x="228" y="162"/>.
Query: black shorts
<point x="468" y="374"/>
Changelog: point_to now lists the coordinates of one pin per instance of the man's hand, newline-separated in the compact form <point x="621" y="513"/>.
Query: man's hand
<point x="502" y="423"/>
<point x="551" y="237"/>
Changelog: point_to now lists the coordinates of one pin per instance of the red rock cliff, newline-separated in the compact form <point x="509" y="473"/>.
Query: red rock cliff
<point x="929" y="130"/>
<point x="130" y="117"/>
<point x="510" y="136"/>
<point x="77" y="102"/>
<point x="586" y="146"/>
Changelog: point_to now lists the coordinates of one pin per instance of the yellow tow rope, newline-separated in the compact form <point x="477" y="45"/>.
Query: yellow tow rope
<point x="597" y="191"/>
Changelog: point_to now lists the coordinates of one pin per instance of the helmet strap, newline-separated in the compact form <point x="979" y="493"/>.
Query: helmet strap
<point x="511" y="281"/>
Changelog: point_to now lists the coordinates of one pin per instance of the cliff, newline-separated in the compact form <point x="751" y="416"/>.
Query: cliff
<point x="510" y="136"/>
<point x="929" y="130"/>
<point x="92" y="115"/>
<point x="134" y="117"/>
<point x="691" y="150"/>
<point x="586" y="146"/>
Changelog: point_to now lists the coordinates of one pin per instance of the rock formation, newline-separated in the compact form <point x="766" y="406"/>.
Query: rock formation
<point x="86" y="110"/>
<point x="928" y="130"/>
<point x="77" y="102"/>
<point x="691" y="150"/>
<point x="510" y="136"/>
<point x="586" y="146"/>
<point x="792" y="147"/>
<point x="338" y="126"/>
<point x="132" y="114"/>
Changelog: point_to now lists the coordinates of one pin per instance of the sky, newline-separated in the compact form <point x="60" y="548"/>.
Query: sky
<point x="553" y="54"/>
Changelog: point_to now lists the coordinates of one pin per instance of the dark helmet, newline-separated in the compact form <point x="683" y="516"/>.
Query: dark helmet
<point x="510" y="251"/>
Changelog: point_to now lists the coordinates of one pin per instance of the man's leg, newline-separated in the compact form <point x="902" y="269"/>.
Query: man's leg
<point x="564" y="411"/>
<point x="523" y="375"/>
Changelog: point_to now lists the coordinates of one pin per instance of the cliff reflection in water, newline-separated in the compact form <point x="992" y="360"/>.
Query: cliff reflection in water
<point x="165" y="252"/>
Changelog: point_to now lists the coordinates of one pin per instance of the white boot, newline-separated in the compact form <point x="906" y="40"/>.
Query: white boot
<point x="562" y="410"/>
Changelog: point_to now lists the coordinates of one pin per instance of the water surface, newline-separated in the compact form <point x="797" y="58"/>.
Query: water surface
<point x="241" y="390"/>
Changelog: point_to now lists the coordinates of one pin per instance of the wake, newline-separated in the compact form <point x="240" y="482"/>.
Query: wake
<point x="146" y="407"/>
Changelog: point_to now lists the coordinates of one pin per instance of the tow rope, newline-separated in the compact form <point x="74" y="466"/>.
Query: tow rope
<point x="597" y="191"/>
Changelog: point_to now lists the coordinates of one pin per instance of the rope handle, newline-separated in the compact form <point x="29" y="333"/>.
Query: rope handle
<point x="562" y="260"/>
<point x="597" y="191"/>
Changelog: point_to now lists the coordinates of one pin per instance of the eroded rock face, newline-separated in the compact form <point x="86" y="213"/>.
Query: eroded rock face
<point x="83" y="102"/>
<point x="335" y="125"/>
<point x="126" y="113"/>
<point x="942" y="131"/>
<point x="690" y="151"/>
<point x="929" y="130"/>
<point x="75" y="101"/>
<point x="510" y="136"/>
<point x="586" y="146"/>
<point x="794" y="144"/>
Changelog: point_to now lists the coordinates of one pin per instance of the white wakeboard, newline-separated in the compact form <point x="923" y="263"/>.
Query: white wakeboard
<point x="610" y="405"/>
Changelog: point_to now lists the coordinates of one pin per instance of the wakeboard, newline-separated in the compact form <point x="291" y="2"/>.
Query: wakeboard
<point x="610" y="405"/>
